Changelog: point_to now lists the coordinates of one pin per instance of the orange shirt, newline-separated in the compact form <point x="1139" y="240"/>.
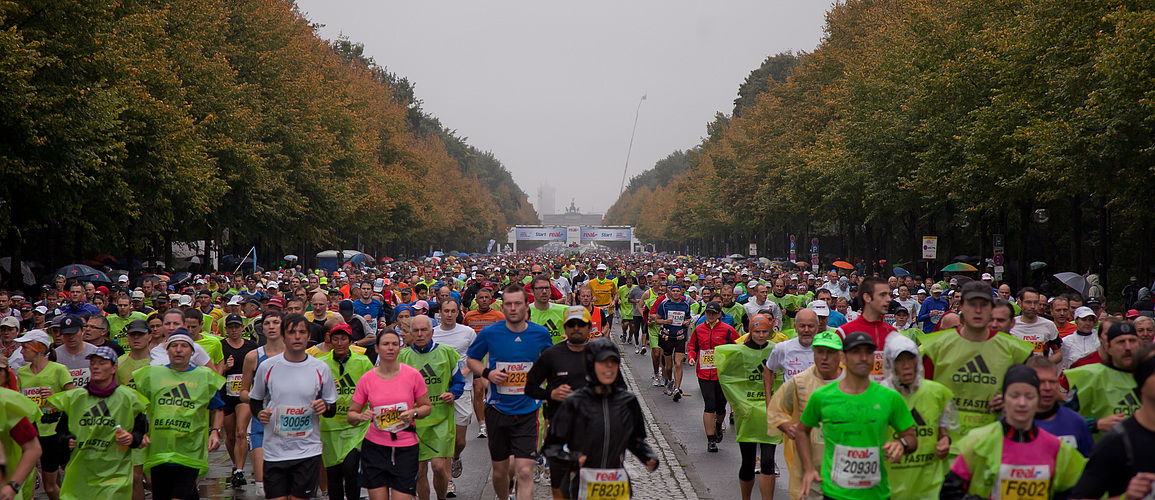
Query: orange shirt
<point x="1065" y="329"/>
<point x="478" y="320"/>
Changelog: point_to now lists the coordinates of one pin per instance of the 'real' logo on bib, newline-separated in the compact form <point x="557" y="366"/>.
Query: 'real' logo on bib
<point x="431" y="377"/>
<point x="610" y="476"/>
<point x="179" y="396"/>
<point x="1032" y="472"/>
<point x="975" y="371"/>
<point x="98" y="415"/>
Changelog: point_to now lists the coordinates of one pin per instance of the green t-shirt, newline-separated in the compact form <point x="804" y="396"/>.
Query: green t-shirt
<point x="14" y="409"/>
<point x="117" y="325"/>
<point x="855" y="427"/>
<point x="553" y="319"/>
<point x="54" y="376"/>
<point x="338" y="437"/>
<point x="126" y="365"/>
<point x="178" y="411"/>
<point x="212" y="345"/>
<point x="99" y="468"/>
<point x="626" y="307"/>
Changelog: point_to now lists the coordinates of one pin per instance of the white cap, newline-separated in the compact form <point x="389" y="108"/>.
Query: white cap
<point x="36" y="336"/>
<point x="752" y="284"/>
<point x="820" y="308"/>
<point x="138" y="295"/>
<point x="122" y="279"/>
<point x="40" y="310"/>
<point x="185" y="300"/>
<point x="379" y="284"/>
<point x="1083" y="312"/>
<point x="602" y="267"/>
<point x="987" y="277"/>
<point x="236" y="300"/>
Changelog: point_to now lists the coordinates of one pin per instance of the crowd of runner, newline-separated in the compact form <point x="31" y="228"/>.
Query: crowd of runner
<point x="336" y="382"/>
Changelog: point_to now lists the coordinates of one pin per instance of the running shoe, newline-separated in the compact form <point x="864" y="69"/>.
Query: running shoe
<point x="456" y="468"/>
<point x="677" y="395"/>
<point x="238" y="479"/>
<point x="657" y="381"/>
<point x="481" y="431"/>
<point x="711" y="446"/>
<point x="719" y="431"/>
<point x="670" y="385"/>
<point x="643" y="350"/>
<point x="451" y="490"/>
<point x="260" y="490"/>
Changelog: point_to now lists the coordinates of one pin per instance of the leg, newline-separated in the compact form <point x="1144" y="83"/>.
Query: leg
<point x="51" y="488"/>
<point x="501" y="478"/>
<point x="231" y="438"/>
<point x="138" y="482"/>
<point x="525" y="478"/>
<point x="746" y="470"/>
<point x="349" y="471"/>
<point x="655" y="355"/>
<point x="241" y="439"/>
<point x="678" y="358"/>
<point x="335" y="474"/>
<point x="769" y="474"/>
<point x="459" y="442"/>
<point x="479" y="400"/>
<point x="423" y="480"/>
<point x="258" y="464"/>
<point x="440" y="476"/>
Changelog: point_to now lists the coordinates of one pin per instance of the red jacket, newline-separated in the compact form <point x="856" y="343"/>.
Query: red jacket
<point x="700" y="346"/>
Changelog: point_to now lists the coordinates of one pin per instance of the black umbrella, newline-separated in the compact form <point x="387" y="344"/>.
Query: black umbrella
<point x="82" y="272"/>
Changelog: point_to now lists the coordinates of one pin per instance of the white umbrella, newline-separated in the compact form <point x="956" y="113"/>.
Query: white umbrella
<point x="291" y="258"/>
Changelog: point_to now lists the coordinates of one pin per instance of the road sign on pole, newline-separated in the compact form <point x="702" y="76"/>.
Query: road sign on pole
<point x="930" y="247"/>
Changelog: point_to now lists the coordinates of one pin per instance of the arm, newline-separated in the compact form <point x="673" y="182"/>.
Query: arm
<point x="247" y="376"/>
<point x="139" y="429"/>
<point x="25" y="434"/>
<point x="218" y="424"/>
<point x="558" y="436"/>
<point x="637" y="440"/>
<point x="802" y="446"/>
<point x="536" y="379"/>
<point x="356" y="414"/>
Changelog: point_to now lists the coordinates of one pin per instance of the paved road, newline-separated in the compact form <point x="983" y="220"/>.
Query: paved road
<point x="675" y="431"/>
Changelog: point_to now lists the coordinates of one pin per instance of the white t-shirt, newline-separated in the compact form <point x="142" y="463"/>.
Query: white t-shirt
<point x="288" y="389"/>
<point x="790" y="357"/>
<point x="460" y="337"/>
<point x="911" y="305"/>
<point x="77" y="364"/>
<point x="1076" y="346"/>
<point x="158" y="356"/>
<point x="1038" y="333"/>
<point x="752" y="308"/>
<point x="563" y="285"/>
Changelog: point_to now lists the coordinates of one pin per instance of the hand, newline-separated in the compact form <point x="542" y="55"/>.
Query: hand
<point x="124" y="439"/>
<point x="6" y="493"/>
<point x="581" y="460"/>
<point x="214" y="440"/>
<point x="942" y="449"/>
<point x="996" y="403"/>
<point x="560" y="393"/>
<point x="408" y="416"/>
<point x="446" y="397"/>
<point x="264" y="416"/>
<point x="497" y="376"/>
<point x="366" y="416"/>
<point x="652" y="464"/>
<point x="893" y="451"/>
<point x="690" y="360"/>
<point x="1106" y="423"/>
<point x="808" y="477"/>
<point x="1139" y="487"/>
<point x="229" y="363"/>
<point x="145" y="441"/>
<point x="319" y="406"/>
<point x="45" y="392"/>
<point x="789" y="429"/>
<point x="72" y="443"/>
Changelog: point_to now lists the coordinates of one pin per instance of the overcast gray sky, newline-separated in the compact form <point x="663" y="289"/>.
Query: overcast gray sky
<point x="552" y="87"/>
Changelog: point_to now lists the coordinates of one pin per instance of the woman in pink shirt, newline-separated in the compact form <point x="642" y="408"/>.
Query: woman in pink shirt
<point x="391" y="396"/>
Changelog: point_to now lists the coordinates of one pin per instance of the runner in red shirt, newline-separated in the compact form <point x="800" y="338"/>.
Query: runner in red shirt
<point x="875" y="293"/>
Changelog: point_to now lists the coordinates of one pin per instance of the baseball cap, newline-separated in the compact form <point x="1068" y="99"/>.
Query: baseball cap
<point x="421" y="304"/>
<point x="856" y="339"/>
<point x="1131" y="313"/>
<point x="602" y="267"/>
<point x="136" y="326"/>
<point x="138" y="295"/>
<point x="185" y="300"/>
<point x="70" y="324"/>
<point x="341" y="328"/>
<point x="379" y="284"/>
<point x="760" y="320"/>
<point x="1092" y="302"/>
<point x="713" y="307"/>
<point x="277" y="301"/>
<point x="10" y="322"/>
<point x="345" y="306"/>
<point x="976" y="290"/>
<point x="251" y="299"/>
<point x="40" y="310"/>
<point x="1083" y="312"/>
<point x="821" y="308"/>
<point x="936" y="288"/>
<point x="103" y="352"/>
<point x="234" y="319"/>
<point x="579" y="313"/>
<point x="161" y="297"/>
<point x="122" y="279"/>
<point x="36" y="336"/>
<point x="236" y="300"/>
<point x="987" y="277"/>
<point x="487" y="285"/>
<point x="827" y="339"/>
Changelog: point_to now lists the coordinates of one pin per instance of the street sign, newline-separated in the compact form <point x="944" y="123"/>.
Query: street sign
<point x="999" y="244"/>
<point x="998" y="260"/>
<point x="813" y="245"/>
<point x="930" y="247"/>
<point x="753" y="249"/>
<point x="814" y="259"/>
<point x="792" y="253"/>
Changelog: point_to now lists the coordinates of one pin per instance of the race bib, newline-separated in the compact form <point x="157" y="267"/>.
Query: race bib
<point x="233" y="385"/>
<point x="856" y="468"/>
<point x="604" y="484"/>
<point x="388" y="418"/>
<point x="935" y="317"/>
<point x="80" y="377"/>
<point x="706" y="359"/>
<point x="33" y="393"/>
<point x="372" y="328"/>
<point x="294" y="421"/>
<point x="1023" y="482"/>
<point x="876" y="371"/>
<point x="514" y="384"/>
<point x="677" y="317"/>
<point x="1071" y="440"/>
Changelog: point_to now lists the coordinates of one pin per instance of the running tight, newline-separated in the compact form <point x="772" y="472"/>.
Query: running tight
<point x="749" y="451"/>
<point x="343" y="481"/>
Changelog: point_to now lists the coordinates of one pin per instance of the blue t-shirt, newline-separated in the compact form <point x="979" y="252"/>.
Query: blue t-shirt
<point x="726" y="318"/>
<point x="1068" y="425"/>
<point x="836" y="319"/>
<point x="516" y="353"/>
<point x="674" y="310"/>
<point x="373" y="308"/>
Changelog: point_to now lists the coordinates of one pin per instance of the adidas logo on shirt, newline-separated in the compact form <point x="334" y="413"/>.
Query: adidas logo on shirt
<point x="975" y="371"/>
<point x="431" y="376"/>
<point x="346" y="385"/>
<point x="179" y="396"/>
<point x="98" y="415"/>
<point x="755" y="374"/>
<point x="1127" y="405"/>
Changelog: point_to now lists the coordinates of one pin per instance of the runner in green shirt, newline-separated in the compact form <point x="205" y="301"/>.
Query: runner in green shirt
<point x="40" y="379"/>
<point x="124" y="315"/>
<point x="341" y="454"/>
<point x="438" y="364"/>
<point x="855" y="414"/>
<point x="136" y="335"/>
<point x="194" y="321"/>
<point x="546" y="313"/>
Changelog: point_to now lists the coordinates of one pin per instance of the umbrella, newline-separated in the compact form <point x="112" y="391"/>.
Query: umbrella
<point x="1074" y="281"/>
<point x="735" y="256"/>
<point x="361" y="258"/>
<point x="385" y="259"/>
<point x="900" y="272"/>
<point x="958" y="267"/>
<point x="83" y="273"/>
<point x="764" y="260"/>
<point x="961" y="258"/>
<point x="802" y="264"/>
<point x="179" y="278"/>
<point x="843" y="264"/>
<point x="291" y="258"/>
<point x="104" y="258"/>
<point x="1035" y="266"/>
<point x="124" y="264"/>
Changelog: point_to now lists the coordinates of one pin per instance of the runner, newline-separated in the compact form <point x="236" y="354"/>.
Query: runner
<point x="19" y="440"/>
<point x="39" y="380"/>
<point x="875" y="296"/>
<point x="1039" y="331"/>
<point x="543" y="312"/>
<point x="919" y="476"/>
<point x="99" y="417"/>
<point x="1103" y="392"/>
<point x="181" y="398"/>
<point x="605" y="297"/>
<point x="626" y="308"/>
<point x="1013" y="457"/>
<point x="136" y="339"/>
<point x="290" y="393"/>
<point x="1063" y="422"/>
<point x="970" y="361"/>
<point x="234" y="347"/>
<point x="171" y="321"/>
<point x="740" y="373"/>
<point x="194" y="322"/>
<point x="854" y="414"/>
<point x="341" y="441"/>
<point x="74" y="349"/>
<point x="558" y="372"/>
<point x="512" y="347"/>
<point x="594" y="427"/>
<point x="440" y="366"/>
<point x="700" y="349"/>
<point x="459" y="337"/>
<point x="793" y="356"/>
<point x="673" y="314"/>
<point x="255" y="433"/>
<point x="124" y="315"/>
<point x="585" y="297"/>
<point x="657" y="292"/>
<point x="392" y="396"/>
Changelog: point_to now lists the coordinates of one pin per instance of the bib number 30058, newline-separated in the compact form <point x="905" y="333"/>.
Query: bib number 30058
<point x="856" y="468"/>
<point x="604" y="484"/>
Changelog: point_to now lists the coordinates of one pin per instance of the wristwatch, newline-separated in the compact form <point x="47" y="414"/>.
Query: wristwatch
<point x="15" y="486"/>
<point x="218" y="429"/>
